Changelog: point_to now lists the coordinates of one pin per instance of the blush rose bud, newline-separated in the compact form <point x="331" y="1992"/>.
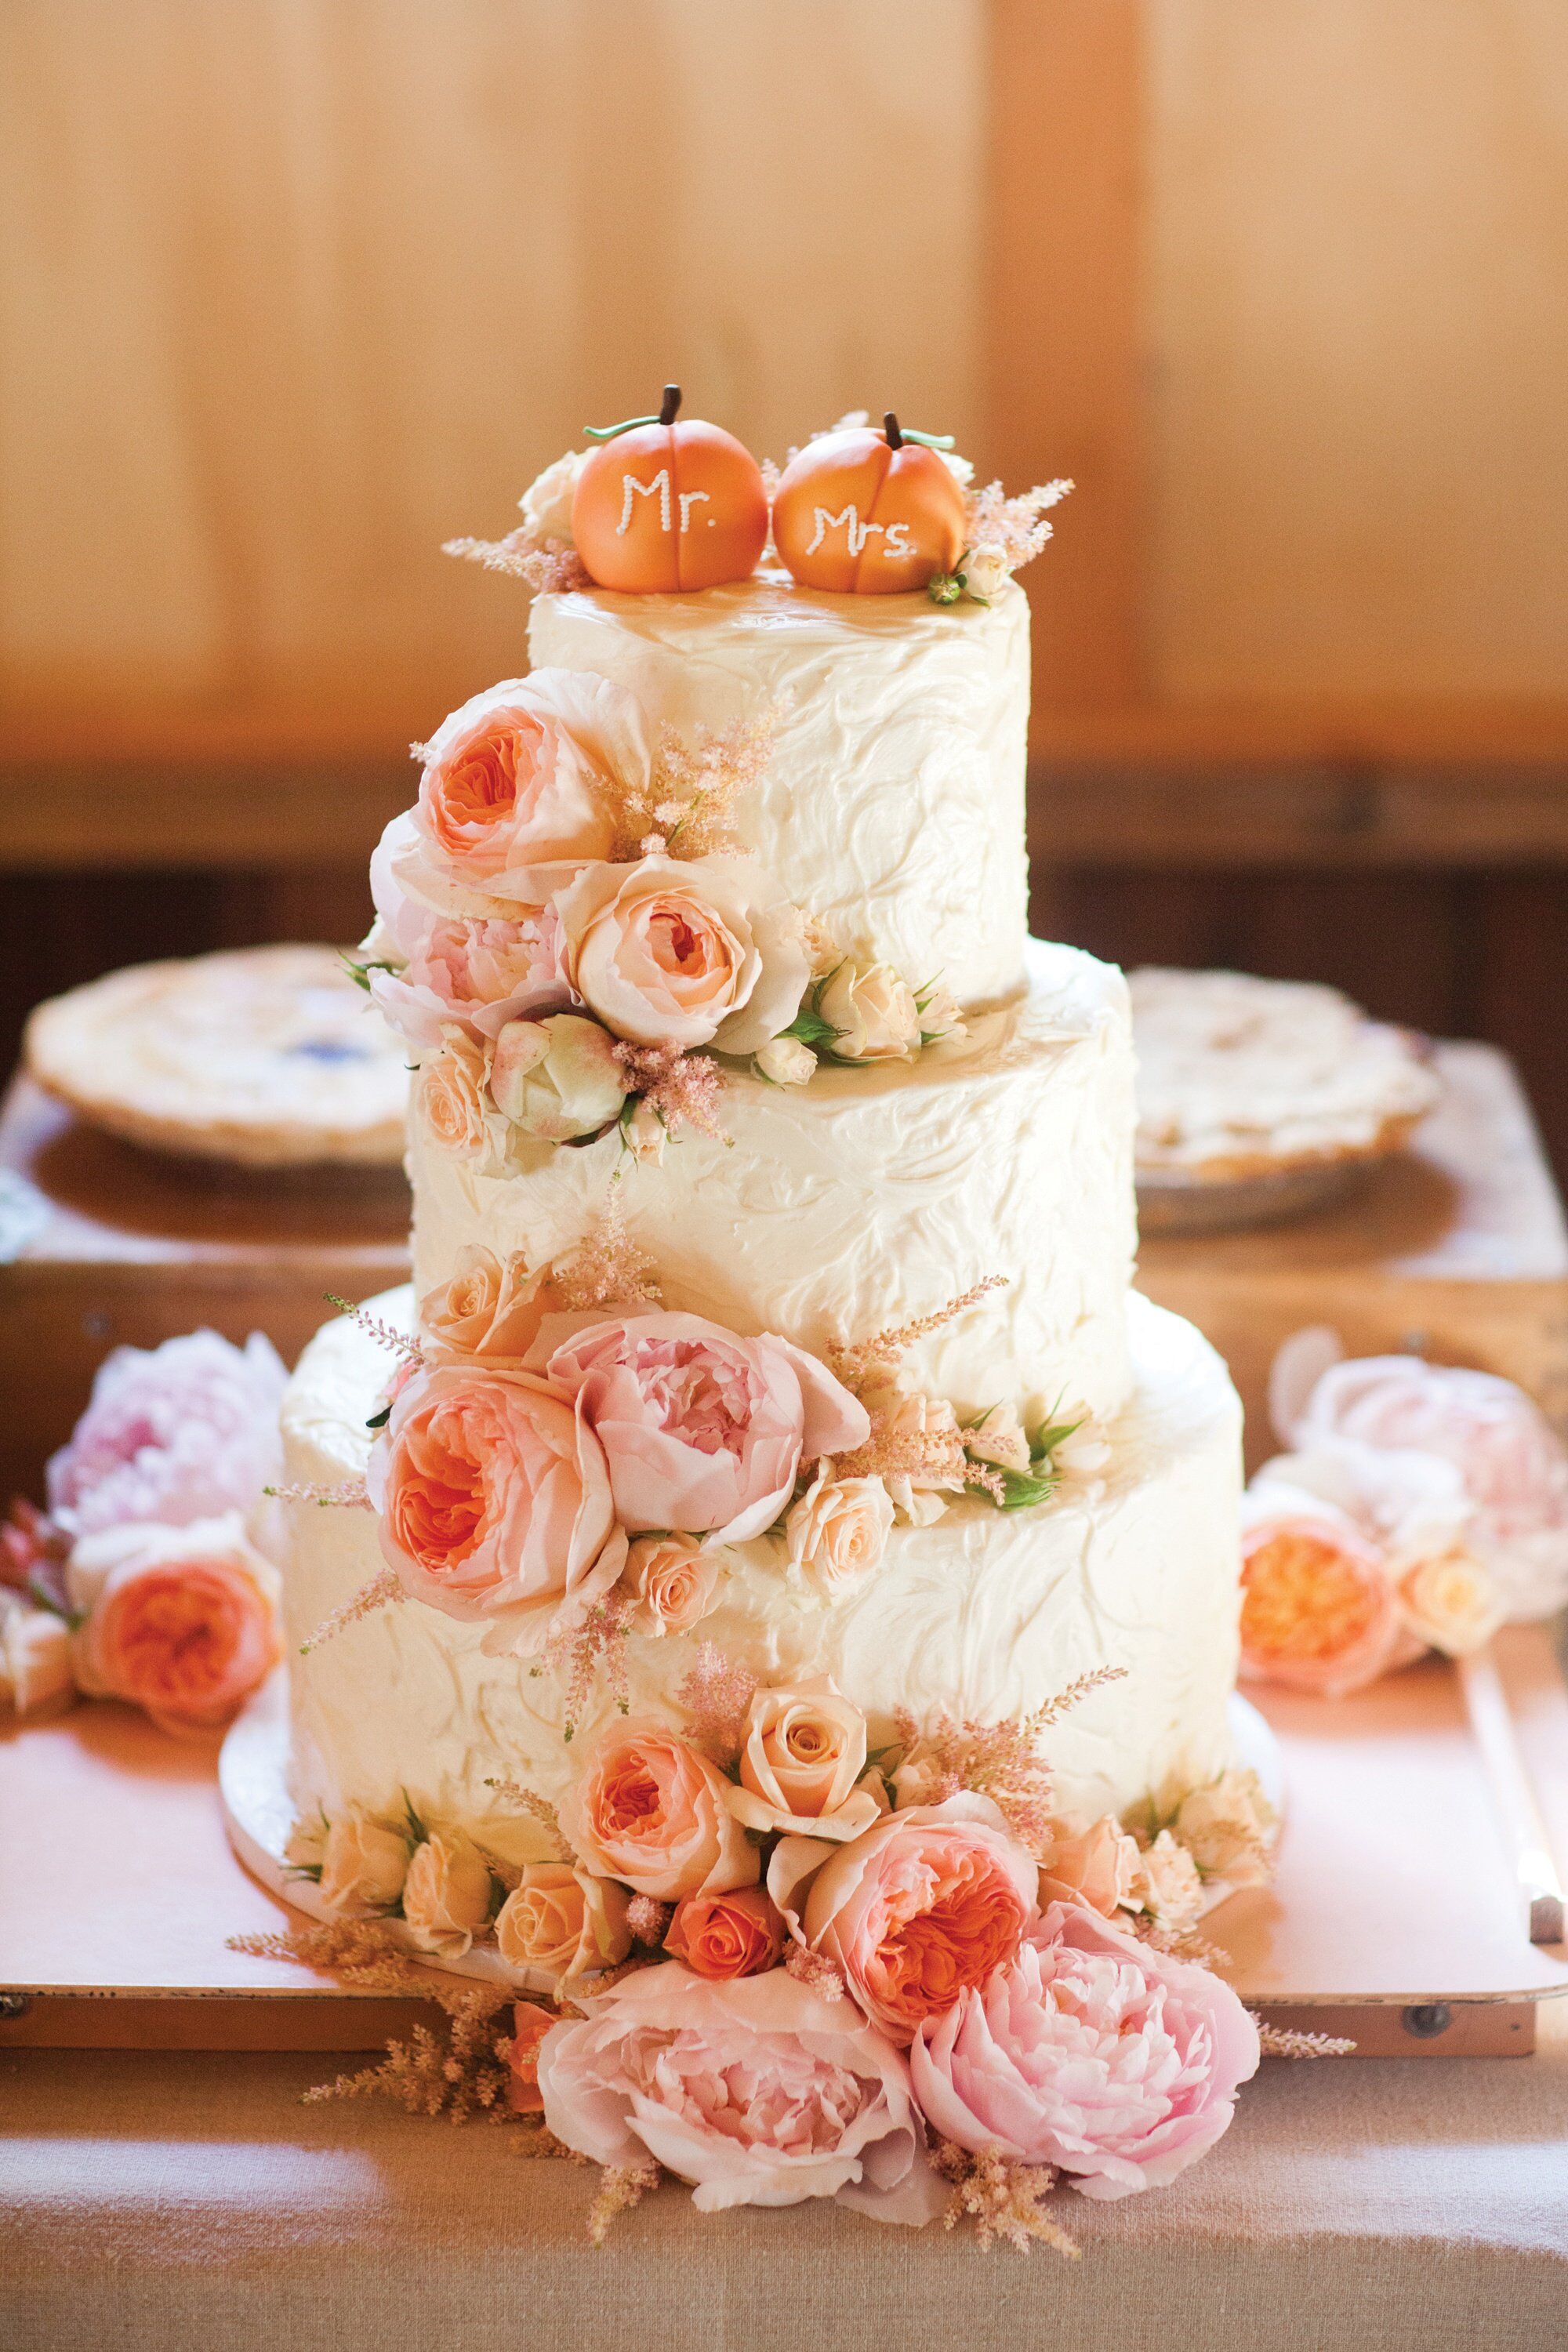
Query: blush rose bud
<point x="786" y="1061"/>
<point x="556" y="1078"/>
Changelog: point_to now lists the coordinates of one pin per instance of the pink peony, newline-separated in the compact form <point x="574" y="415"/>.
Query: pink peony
<point x="1090" y="2051"/>
<point x="650" y="1809"/>
<point x="494" y="1502"/>
<point x="179" y="1620"/>
<point x="1513" y="1464"/>
<point x="922" y="1907"/>
<point x="171" y="1434"/>
<point x="703" y="1431"/>
<point x="525" y="776"/>
<point x="757" y="2091"/>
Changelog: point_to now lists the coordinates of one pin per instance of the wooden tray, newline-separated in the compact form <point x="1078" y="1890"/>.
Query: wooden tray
<point x="1395" y="1898"/>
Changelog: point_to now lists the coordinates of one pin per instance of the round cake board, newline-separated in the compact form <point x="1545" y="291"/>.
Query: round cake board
<point x="258" y="1815"/>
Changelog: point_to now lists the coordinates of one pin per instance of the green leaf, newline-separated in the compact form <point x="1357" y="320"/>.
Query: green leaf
<point x="360" y="973"/>
<point x="379" y="1420"/>
<point x="1020" y="1492"/>
<point x="926" y="440"/>
<point x="613" y="432"/>
<point x="811" y="1029"/>
<point x="416" y="1829"/>
<point x="1045" y="1440"/>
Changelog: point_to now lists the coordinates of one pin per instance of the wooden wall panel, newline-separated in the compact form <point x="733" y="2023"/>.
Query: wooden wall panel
<point x="290" y="291"/>
<point x="1356" y="252"/>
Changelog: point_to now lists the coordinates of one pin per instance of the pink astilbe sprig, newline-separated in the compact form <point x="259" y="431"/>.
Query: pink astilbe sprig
<point x="1015" y="529"/>
<point x="1284" y="2041"/>
<point x="381" y="1592"/>
<point x="815" y="1971"/>
<point x="385" y="1334"/>
<point x="649" y="1920"/>
<point x="621" y="2186"/>
<point x="683" y="1089"/>
<point x="999" y="1760"/>
<point x="685" y="808"/>
<point x="716" y="1698"/>
<point x="874" y="1357"/>
<point x="592" y="1649"/>
<point x="348" y="1495"/>
<point x="548" y="566"/>
<point x="606" y="1268"/>
<point x="530" y="1801"/>
<point x="1004" y="2200"/>
<point x="934" y="1458"/>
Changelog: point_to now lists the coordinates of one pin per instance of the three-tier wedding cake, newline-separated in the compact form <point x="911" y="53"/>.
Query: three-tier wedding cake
<point x="770" y="1461"/>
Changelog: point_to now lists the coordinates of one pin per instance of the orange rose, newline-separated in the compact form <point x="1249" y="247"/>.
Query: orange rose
<point x="1319" y="1610"/>
<point x="650" y="1811"/>
<point x="719" y="1936"/>
<point x="530" y="2025"/>
<point x="179" y="1621"/>
<point x="524" y="776"/>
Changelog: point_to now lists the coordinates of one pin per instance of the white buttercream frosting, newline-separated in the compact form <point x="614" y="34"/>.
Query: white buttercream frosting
<point x="892" y="806"/>
<point x="981" y="1615"/>
<point x="871" y="1197"/>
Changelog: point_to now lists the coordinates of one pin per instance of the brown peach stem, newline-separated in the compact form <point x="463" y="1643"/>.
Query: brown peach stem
<point x="890" y="427"/>
<point x="667" y="414"/>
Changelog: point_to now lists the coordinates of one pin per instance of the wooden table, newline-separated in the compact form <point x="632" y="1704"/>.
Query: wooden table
<point x="117" y="1246"/>
<point x="1455" y="1248"/>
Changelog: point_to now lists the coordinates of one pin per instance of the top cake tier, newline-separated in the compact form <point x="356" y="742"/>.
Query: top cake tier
<point x="892" y="806"/>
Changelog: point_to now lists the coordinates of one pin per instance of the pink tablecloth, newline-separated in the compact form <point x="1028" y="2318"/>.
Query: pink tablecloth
<point x="148" y="2202"/>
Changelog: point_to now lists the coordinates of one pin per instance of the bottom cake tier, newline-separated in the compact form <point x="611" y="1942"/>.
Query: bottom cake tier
<point x="980" y="1616"/>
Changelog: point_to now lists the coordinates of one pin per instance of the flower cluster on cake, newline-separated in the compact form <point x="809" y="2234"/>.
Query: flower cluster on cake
<point x="785" y="1615"/>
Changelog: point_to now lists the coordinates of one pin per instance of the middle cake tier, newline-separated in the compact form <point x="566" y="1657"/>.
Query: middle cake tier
<point x="871" y="1198"/>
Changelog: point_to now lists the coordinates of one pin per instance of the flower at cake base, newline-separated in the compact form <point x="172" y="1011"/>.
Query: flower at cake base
<point x="556" y="1078"/>
<point x="757" y="2092"/>
<point x="722" y="1935"/>
<point x="1450" y="1601"/>
<point x="563" y="1920"/>
<point x="803" y="1765"/>
<point x="447" y="1894"/>
<point x="917" y="1909"/>
<point x="684" y="953"/>
<point x="364" y="1865"/>
<point x="170" y="1434"/>
<point x="530" y="2025"/>
<point x="1319" y="1610"/>
<point x="673" y="1582"/>
<point x="1227" y="1826"/>
<point x="785" y="1062"/>
<point x="179" y="1621"/>
<point x="449" y="1097"/>
<point x="650" y="1809"/>
<point x="1090" y="2051"/>
<point x="838" y="1531"/>
<point x="490" y="1307"/>
<point x="872" y="1013"/>
<point x="493" y="1501"/>
<point x="985" y="573"/>
<point x="998" y="1437"/>
<point x="1169" y="1887"/>
<point x="36" y="1669"/>
<point x="1098" y="1866"/>
<point x="703" y="1431"/>
<point x="526" y="775"/>
<point x="1512" y="1464"/>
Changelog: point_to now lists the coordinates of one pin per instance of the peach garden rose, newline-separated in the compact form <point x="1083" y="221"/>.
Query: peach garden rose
<point x="703" y="1431"/>
<point x="179" y="1621"/>
<point x="1319" y="1611"/>
<point x="685" y="952"/>
<point x="524" y="776"/>
<point x="650" y="1809"/>
<point x="493" y="1501"/>
<point x="756" y="2090"/>
<point x="920" y="1907"/>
